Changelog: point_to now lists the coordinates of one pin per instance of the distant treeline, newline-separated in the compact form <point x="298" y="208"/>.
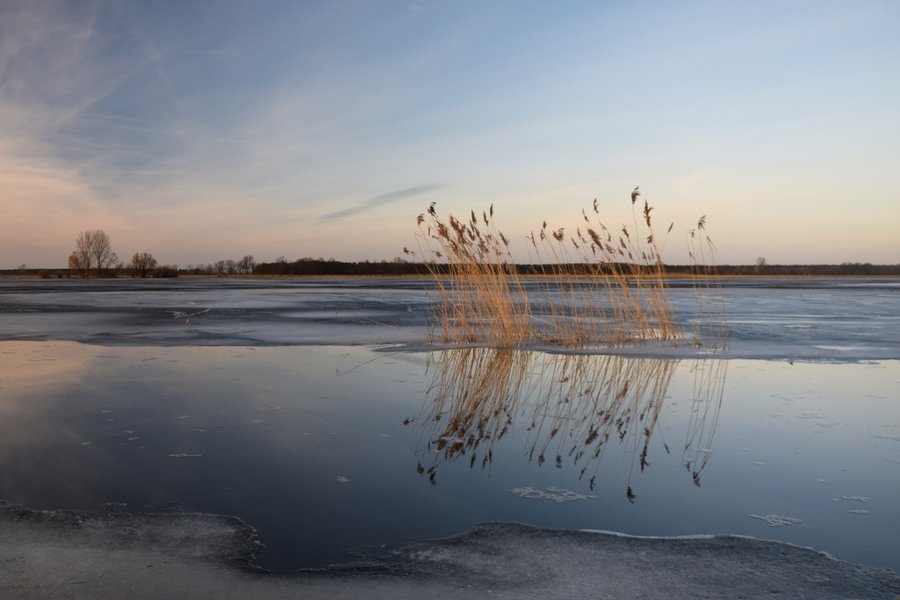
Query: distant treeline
<point x="320" y="266"/>
<point x="112" y="272"/>
<point x="845" y="269"/>
<point x="308" y="266"/>
<point x="402" y="267"/>
<point x="397" y="267"/>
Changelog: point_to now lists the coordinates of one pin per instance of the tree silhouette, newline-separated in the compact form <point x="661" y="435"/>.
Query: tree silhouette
<point x="142" y="263"/>
<point x="92" y="251"/>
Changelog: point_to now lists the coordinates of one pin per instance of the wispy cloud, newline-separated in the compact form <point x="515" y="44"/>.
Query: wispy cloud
<point x="380" y="200"/>
<point x="199" y="135"/>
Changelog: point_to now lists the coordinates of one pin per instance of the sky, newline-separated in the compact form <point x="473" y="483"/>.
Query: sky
<point x="204" y="130"/>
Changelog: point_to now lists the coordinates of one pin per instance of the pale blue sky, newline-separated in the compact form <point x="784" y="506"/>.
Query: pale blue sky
<point x="206" y="130"/>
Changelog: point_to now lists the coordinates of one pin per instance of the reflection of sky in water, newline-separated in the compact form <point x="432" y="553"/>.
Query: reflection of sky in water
<point x="309" y="444"/>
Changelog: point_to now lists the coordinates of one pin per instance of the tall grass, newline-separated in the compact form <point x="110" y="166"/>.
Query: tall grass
<point x="481" y="296"/>
<point x="614" y="283"/>
<point x="709" y="323"/>
<point x="600" y="285"/>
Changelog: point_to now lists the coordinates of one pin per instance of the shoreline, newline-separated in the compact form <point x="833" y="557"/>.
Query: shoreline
<point x="538" y="276"/>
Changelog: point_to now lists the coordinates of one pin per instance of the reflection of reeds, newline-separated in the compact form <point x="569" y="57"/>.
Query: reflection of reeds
<point x="706" y="400"/>
<point x="583" y="402"/>
<point x="473" y="397"/>
<point x="599" y="285"/>
<point x="575" y="406"/>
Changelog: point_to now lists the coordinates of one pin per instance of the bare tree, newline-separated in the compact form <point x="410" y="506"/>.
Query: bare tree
<point x="92" y="251"/>
<point x="81" y="259"/>
<point x="220" y="268"/>
<point x="142" y="263"/>
<point x="246" y="264"/>
<point x="79" y="262"/>
<point x="104" y="257"/>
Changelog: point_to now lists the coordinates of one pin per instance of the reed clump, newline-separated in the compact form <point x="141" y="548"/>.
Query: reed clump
<point x="480" y="293"/>
<point x="612" y="281"/>
<point x="599" y="285"/>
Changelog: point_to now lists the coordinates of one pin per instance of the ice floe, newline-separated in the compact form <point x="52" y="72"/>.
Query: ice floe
<point x="776" y="520"/>
<point x="553" y="493"/>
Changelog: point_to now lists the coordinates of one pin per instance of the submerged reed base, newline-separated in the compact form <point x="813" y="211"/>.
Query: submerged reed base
<point x="590" y="288"/>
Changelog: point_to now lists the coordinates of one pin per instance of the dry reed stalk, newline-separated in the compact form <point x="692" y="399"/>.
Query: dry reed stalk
<point x="481" y="297"/>
<point x="709" y="323"/>
<point x="626" y="278"/>
<point x="564" y="324"/>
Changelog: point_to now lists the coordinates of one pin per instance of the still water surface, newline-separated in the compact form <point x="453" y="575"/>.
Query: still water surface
<point x="326" y="448"/>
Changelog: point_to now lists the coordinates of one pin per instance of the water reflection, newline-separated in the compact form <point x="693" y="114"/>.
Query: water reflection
<point x="573" y="408"/>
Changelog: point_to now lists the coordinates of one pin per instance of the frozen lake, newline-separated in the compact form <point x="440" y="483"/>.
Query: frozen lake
<point x="314" y="410"/>
<point x="816" y="319"/>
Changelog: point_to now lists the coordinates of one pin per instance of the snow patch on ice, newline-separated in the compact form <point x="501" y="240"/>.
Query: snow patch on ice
<point x="553" y="493"/>
<point x="776" y="520"/>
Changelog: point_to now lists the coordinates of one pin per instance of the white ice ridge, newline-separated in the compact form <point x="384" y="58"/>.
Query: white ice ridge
<point x="550" y="493"/>
<point x="776" y="520"/>
<point x="851" y="498"/>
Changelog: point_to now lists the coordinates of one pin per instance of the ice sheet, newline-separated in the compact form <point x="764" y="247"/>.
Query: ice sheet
<point x="112" y="554"/>
<point x="783" y="319"/>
